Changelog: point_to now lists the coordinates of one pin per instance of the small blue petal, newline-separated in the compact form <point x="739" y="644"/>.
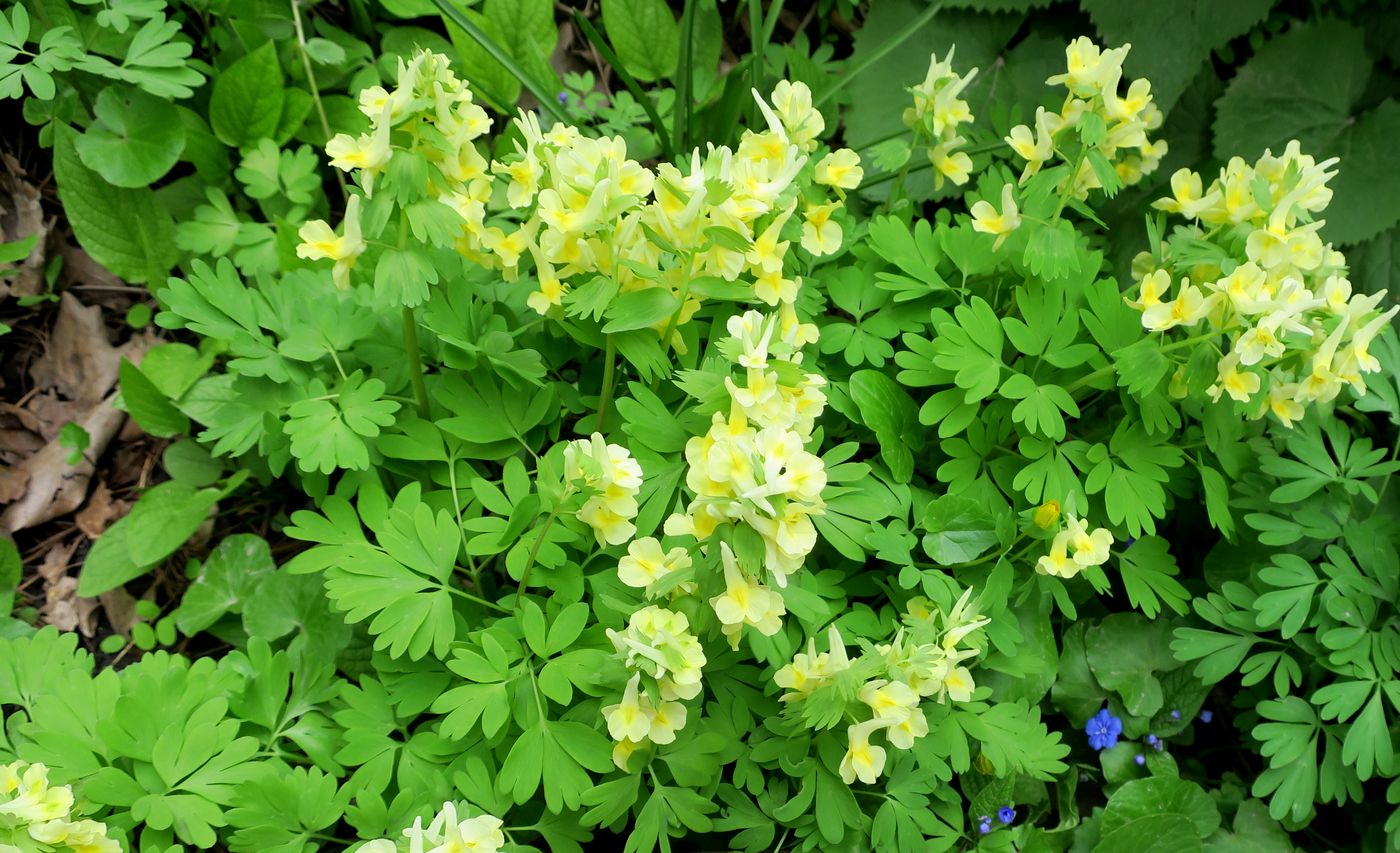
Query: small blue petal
<point x="1006" y="814"/>
<point x="1139" y="759"/>
<point x="1207" y="716"/>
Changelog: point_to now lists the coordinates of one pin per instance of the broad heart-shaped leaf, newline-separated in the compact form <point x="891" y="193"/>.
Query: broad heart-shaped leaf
<point x="225" y="581"/>
<point x="136" y="139"/>
<point x="246" y="104"/>
<point x="958" y="529"/>
<point x="1269" y="103"/>
<point x="1158" y="796"/>
<point x="1172" y="39"/>
<point x="125" y="230"/>
<point x="1124" y="652"/>
<point x="645" y="35"/>
<point x="888" y="410"/>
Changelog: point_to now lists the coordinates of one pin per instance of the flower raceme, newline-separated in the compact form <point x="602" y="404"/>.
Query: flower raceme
<point x="37" y="816"/>
<point x="576" y="207"/>
<point x="1273" y="303"/>
<point x="923" y="660"/>
<point x="936" y="115"/>
<point x="1121" y="123"/>
<point x="610" y="478"/>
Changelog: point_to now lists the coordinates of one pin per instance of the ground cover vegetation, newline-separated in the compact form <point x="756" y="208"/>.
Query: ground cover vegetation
<point x="516" y="425"/>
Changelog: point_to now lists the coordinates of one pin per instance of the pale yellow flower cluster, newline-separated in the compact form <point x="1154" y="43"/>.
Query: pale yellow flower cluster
<point x="658" y="645"/>
<point x="1092" y="76"/>
<point x="937" y="114"/>
<point x="1296" y="334"/>
<point x="577" y="206"/>
<point x="752" y="467"/>
<point x="610" y="478"/>
<point x="447" y="833"/>
<point x="923" y="661"/>
<point x="29" y="805"/>
<point x="1074" y="549"/>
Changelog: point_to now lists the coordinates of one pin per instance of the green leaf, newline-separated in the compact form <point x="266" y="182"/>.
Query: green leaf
<point x="151" y="409"/>
<point x="10" y="568"/>
<point x="640" y="309"/>
<point x="225" y="582"/>
<point x="1269" y="103"/>
<point x="887" y="409"/>
<point x="165" y="517"/>
<point x="125" y="230"/>
<point x="1125" y="651"/>
<point x="1156" y="797"/>
<point x="1041" y="408"/>
<point x="246" y="103"/>
<point x="645" y="35"/>
<point x="959" y="530"/>
<point x="1172" y="40"/>
<point x="1149" y="576"/>
<point x="328" y="431"/>
<point x="969" y="344"/>
<point x="136" y="138"/>
<point x="403" y="276"/>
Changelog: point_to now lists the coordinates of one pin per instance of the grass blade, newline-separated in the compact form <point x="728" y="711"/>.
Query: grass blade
<point x="458" y="17"/>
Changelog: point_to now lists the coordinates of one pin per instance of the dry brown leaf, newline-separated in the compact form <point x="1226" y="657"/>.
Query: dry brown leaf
<point x="101" y="510"/>
<point x="45" y="486"/>
<point x="78" y="266"/>
<point x="120" y="607"/>
<point x="21" y="215"/>
<point x="62" y="608"/>
<point x="79" y="361"/>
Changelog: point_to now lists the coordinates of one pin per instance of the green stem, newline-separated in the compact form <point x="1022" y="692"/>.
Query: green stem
<point x="913" y="27"/>
<point x="415" y="362"/>
<point x="459" y="19"/>
<point x="1112" y="367"/>
<point x="667" y="150"/>
<point x="534" y="552"/>
<point x="609" y="380"/>
<point x="311" y="83"/>
<point x="462" y="593"/>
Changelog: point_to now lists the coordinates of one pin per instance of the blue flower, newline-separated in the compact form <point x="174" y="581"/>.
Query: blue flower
<point x="1154" y="741"/>
<point x="1139" y="759"/>
<point x="1103" y="730"/>
<point x="1207" y="716"/>
<point x="563" y="97"/>
<point x="1006" y="814"/>
<point x="1176" y="715"/>
<point x="984" y="824"/>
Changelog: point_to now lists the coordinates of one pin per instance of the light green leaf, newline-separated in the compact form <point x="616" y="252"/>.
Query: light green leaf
<point x="246" y="104"/>
<point x="136" y="138"/>
<point x="126" y="230"/>
<point x="958" y="530"/>
<point x="645" y="35"/>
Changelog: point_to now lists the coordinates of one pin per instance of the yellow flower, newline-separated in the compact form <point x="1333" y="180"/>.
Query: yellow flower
<point x="840" y="169"/>
<point x="1240" y="385"/>
<point x="1090" y="549"/>
<point x="863" y="760"/>
<point x="1046" y="515"/>
<point x="989" y="220"/>
<point x="744" y="602"/>
<point x="1188" y="309"/>
<point x="646" y="563"/>
<point x="319" y="242"/>
<point x="888" y="700"/>
<point x="1058" y="563"/>
<point x="820" y="235"/>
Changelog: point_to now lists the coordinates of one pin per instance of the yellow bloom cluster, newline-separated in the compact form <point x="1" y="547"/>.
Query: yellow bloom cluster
<point x="937" y="113"/>
<point x="923" y="660"/>
<point x="745" y="602"/>
<point x="33" y="811"/>
<point x="751" y="466"/>
<point x="1092" y="76"/>
<point x="577" y="206"/>
<point x="658" y="644"/>
<point x="1280" y="295"/>
<point x="1089" y="548"/>
<point x="446" y="833"/>
<point x="611" y="478"/>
